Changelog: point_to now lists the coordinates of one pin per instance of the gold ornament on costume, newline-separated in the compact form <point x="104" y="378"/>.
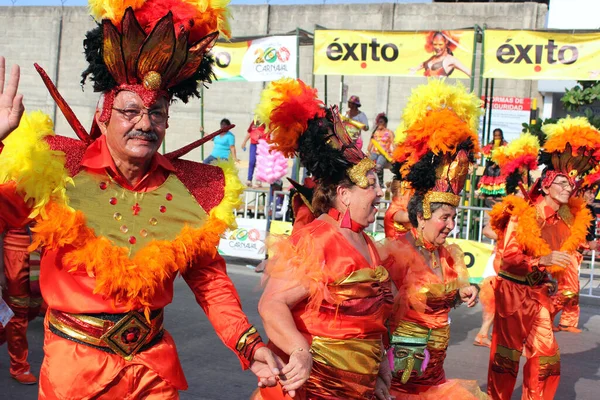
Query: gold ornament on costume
<point x="358" y="172"/>
<point x="438" y="197"/>
<point x="152" y="80"/>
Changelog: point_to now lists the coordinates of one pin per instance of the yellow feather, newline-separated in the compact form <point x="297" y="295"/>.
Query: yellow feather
<point x="112" y="9"/>
<point x="523" y="145"/>
<point x="437" y="95"/>
<point x="233" y="190"/>
<point x="27" y="159"/>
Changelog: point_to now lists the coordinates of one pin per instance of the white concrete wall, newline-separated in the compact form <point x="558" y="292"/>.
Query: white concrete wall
<point x="34" y="34"/>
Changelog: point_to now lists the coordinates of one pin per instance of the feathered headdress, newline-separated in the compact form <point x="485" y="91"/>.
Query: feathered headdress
<point x="572" y="149"/>
<point x="440" y="123"/>
<point x="298" y="123"/>
<point x="151" y="47"/>
<point x="516" y="160"/>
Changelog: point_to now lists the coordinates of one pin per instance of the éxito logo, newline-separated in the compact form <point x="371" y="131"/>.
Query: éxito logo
<point x="536" y="54"/>
<point x="374" y="51"/>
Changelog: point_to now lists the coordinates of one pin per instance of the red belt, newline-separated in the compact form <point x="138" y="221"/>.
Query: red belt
<point x="122" y="334"/>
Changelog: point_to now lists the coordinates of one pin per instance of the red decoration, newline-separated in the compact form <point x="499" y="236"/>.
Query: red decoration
<point x="103" y="185"/>
<point x="113" y="200"/>
<point x="132" y="239"/>
<point x="163" y="209"/>
<point x="169" y="197"/>
<point x="136" y="209"/>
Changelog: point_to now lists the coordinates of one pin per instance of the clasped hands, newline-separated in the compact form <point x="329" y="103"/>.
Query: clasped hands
<point x="270" y="369"/>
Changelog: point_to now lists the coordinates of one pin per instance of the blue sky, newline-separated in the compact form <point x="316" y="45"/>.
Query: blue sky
<point x="84" y="2"/>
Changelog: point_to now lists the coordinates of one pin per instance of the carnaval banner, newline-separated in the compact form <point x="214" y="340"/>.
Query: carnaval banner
<point x="541" y="55"/>
<point x="427" y="53"/>
<point x="476" y="257"/>
<point x="247" y="241"/>
<point x="259" y="60"/>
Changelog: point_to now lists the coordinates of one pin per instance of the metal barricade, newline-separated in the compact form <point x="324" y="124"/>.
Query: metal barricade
<point x="473" y="218"/>
<point x="255" y="204"/>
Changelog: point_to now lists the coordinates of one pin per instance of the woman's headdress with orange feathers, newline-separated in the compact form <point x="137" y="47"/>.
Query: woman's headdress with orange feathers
<point x="440" y="125"/>
<point x="299" y="123"/>
<point x="516" y="160"/>
<point x="571" y="149"/>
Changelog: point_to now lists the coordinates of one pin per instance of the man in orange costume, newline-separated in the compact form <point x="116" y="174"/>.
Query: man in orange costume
<point x="118" y="221"/>
<point x="538" y="236"/>
<point x="14" y="274"/>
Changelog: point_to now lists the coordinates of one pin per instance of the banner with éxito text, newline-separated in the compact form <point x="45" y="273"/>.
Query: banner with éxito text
<point x="393" y="53"/>
<point x="541" y="55"/>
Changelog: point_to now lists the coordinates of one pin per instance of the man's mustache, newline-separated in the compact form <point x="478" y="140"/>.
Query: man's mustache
<point x="150" y="135"/>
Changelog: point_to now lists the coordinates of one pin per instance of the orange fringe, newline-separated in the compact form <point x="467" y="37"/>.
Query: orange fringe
<point x="528" y="232"/>
<point x="440" y="131"/>
<point x="409" y="270"/>
<point x="131" y="282"/>
<point x="301" y="263"/>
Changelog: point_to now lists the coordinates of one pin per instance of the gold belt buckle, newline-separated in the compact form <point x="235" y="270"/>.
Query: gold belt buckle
<point x="128" y="335"/>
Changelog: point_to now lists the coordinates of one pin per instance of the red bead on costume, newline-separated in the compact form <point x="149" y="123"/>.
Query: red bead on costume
<point x="132" y="240"/>
<point x="103" y="185"/>
<point x="169" y="197"/>
<point x="113" y="200"/>
<point x="163" y="209"/>
<point x="136" y="209"/>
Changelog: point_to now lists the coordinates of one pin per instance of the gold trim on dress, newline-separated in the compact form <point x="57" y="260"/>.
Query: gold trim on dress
<point x="379" y="274"/>
<point x="439" y="338"/>
<point x="511" y="354"/>
<point x="19" y="301"/>
<point x="361" y="356"/>
<point x="550" y="359"/>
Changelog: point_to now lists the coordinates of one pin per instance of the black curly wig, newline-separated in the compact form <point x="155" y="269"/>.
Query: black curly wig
<point x="102" y="80"/>
<point x="422" y="175"/>
<point x="317" y="156"/>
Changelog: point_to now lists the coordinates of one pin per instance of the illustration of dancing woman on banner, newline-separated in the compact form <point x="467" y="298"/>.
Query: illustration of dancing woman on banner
<point x="443" y="62"/>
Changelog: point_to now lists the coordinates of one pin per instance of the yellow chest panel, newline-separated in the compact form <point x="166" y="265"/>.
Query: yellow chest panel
<point x="133" y="219"/>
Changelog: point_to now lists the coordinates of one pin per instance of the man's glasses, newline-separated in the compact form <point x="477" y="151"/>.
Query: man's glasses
<point x="135" y="115"/>
<point x="564" y="185"/>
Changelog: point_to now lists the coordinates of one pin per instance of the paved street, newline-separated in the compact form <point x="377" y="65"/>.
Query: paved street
<point x="213" y="372"/>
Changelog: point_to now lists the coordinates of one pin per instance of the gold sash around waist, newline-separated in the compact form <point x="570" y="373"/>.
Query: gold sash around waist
<point x="438" y="339"/>
<point x="361" y="356"/>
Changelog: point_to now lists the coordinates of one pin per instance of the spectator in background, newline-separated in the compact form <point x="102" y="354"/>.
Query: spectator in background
<point x="384" y="137"/>
<point x="256" y="131"/>
<point x="224" y="145"/>
<point x="355" y="115"/>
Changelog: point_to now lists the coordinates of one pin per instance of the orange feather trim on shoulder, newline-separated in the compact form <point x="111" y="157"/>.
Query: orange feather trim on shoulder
<point x="120" y="277"/>
<point x="528" y="232"/>
<point x="300" y="262"/>
<point x="117" y="276"/>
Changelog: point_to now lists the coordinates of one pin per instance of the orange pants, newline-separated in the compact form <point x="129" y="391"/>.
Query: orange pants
<point x="132" y="383"/>
<point x="529" y="326"/>
<point x="17" y="296"/>
<point x="566" y="298"/>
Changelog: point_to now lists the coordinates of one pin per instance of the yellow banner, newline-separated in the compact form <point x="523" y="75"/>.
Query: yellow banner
<point x="476" y="257"/>
<point x="428" y="53"/>
<point x="541" y="55"/>
<point x="259" y="60"/>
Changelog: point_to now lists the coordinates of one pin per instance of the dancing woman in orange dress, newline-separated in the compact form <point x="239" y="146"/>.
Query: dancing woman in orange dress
<point x="327" y="295"/>
<point x="538" y="235"/>
<point x="430" y="275"/>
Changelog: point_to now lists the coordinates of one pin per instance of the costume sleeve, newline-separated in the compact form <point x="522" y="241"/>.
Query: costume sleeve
<point x="13" y="209"/>
<point x="219" y="299"/>
<point x="514" y="258"/>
